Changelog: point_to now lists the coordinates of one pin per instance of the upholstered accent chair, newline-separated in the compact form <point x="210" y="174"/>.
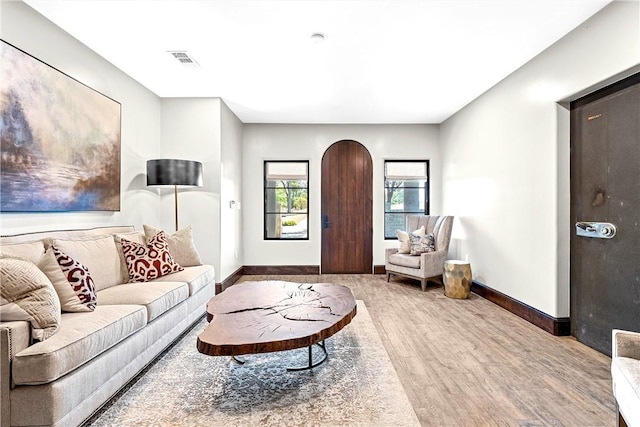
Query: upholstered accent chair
<point x="625" y="376"/>
<point x="427" y="265"/>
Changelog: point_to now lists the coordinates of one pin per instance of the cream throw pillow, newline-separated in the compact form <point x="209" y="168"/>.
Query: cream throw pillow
<point x="27" y="294"/>
<point x="405" y="242"/>
<point x="133" y="236"/>
<point x="181" y="246"/>
<point x="100" y="256"/>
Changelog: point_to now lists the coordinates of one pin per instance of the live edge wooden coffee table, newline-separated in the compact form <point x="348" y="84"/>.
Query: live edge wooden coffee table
<point x="267" y="316"/>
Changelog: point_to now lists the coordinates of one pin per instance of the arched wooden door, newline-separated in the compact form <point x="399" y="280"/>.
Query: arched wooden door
<point x="347" y="198"/>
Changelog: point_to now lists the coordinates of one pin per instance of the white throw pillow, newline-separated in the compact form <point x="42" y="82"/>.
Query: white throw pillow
<point x="27" y="294"/>
<point x="405" y="242"/>
<point x="100" y="255"/>
<point x="181" y="246"/>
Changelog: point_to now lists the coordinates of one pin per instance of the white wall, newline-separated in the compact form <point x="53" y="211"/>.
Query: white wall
<point x="151" y="128"/>
<point x="26" y="29"/>
<point x="231" y="254"/>
<point x="191" y="131"/>
<point x="506" y="162"/>
<point x="206" y="130"/>
<point x="308" y="142"/>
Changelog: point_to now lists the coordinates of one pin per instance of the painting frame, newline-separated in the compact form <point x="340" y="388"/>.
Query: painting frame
<point x="60" y="139"/>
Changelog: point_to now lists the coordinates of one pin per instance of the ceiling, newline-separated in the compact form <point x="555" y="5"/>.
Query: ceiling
<point x="381" y="61"/>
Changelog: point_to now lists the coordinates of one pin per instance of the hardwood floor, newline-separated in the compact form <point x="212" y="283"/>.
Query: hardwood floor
<point x="472" y="363"/>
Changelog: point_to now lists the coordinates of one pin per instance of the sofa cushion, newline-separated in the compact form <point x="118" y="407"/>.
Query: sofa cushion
<point x="81" y="337"/>
<point x="31" y="251"/>
<point x="157" y="297"/>
<point x="150" y="261"/>
<point x="405" y="260"/>
<point x="197" y="277"/>
<point x="72" y="281"/>
<point x="181" y="245"/>
<point x="99" y="254"/>
<point x="27" y="294"/>
<point x="625" y="373"/>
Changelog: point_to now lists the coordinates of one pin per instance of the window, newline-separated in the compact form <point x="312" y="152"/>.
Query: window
<point x="406" y="191"/>
<point x="286" y="198"/>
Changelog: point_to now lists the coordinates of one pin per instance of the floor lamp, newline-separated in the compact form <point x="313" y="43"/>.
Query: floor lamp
<point x="174" y="172"/>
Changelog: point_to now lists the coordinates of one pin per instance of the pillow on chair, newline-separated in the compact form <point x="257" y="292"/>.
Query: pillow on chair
<point x="422" y="244"/>
<point x="404" y="239"/>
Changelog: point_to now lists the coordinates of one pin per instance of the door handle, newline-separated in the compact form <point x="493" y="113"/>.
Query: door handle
<point x="325" y="221"/>
<point x="598" y="230"/>
<point x="586" y="226"/>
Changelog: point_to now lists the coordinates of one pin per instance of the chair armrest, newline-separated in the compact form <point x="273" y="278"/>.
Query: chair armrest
<point x="433" y="262"/>
<point x="625" y="344"/>
<point x="14" y="337"/>
<point x="388" y="252"/>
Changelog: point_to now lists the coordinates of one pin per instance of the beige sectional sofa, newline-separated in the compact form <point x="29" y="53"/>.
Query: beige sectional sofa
<point x="625" y="374"/>
<point x="65" y="378"/>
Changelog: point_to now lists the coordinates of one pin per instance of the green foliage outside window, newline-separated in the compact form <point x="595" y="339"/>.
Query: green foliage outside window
<point x="292" y="196"/>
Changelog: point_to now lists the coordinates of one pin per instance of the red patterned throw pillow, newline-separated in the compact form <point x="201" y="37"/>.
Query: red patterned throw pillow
<point x="78" y="278"/>
<point x="150" y="261"/>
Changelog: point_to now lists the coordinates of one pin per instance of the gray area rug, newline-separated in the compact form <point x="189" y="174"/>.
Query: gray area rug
<point x="356" y="386"/>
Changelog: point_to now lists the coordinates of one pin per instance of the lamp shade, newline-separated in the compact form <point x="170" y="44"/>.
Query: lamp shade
<point x="174" y="172"/>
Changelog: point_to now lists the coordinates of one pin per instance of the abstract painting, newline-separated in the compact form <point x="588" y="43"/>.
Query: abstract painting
<point x="60" y="140"/>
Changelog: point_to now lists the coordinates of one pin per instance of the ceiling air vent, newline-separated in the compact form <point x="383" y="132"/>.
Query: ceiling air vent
<point x="183" y="57"/>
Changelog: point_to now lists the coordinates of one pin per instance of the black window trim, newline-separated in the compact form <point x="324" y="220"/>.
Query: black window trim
<point x="264" y="205"/>
<point x="427" y="190"/>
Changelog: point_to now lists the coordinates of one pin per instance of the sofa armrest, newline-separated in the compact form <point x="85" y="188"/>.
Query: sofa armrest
<point x="14" y="337"/>
<point x="625" y="344"/>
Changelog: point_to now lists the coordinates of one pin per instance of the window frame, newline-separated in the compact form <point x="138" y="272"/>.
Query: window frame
<point x="265" y="211"/>
<point x="427" y="201"/>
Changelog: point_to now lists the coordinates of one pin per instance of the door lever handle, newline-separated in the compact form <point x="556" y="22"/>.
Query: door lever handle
<point x="586" y="226"/>
<point x="325" y="221"/>
<point x="599" y="230"/>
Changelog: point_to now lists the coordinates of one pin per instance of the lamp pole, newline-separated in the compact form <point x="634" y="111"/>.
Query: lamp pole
<point x="175" y="195"/>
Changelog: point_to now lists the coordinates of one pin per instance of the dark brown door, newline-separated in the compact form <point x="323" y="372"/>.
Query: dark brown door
<point x="347" y="194"/>
<point x="605" y="188"/>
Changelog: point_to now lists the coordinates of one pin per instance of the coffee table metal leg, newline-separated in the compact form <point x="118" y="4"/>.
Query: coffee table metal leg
<point x="238" y="360"/>
<point x="311" y="362"/>
<point x="311" y="365"/>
